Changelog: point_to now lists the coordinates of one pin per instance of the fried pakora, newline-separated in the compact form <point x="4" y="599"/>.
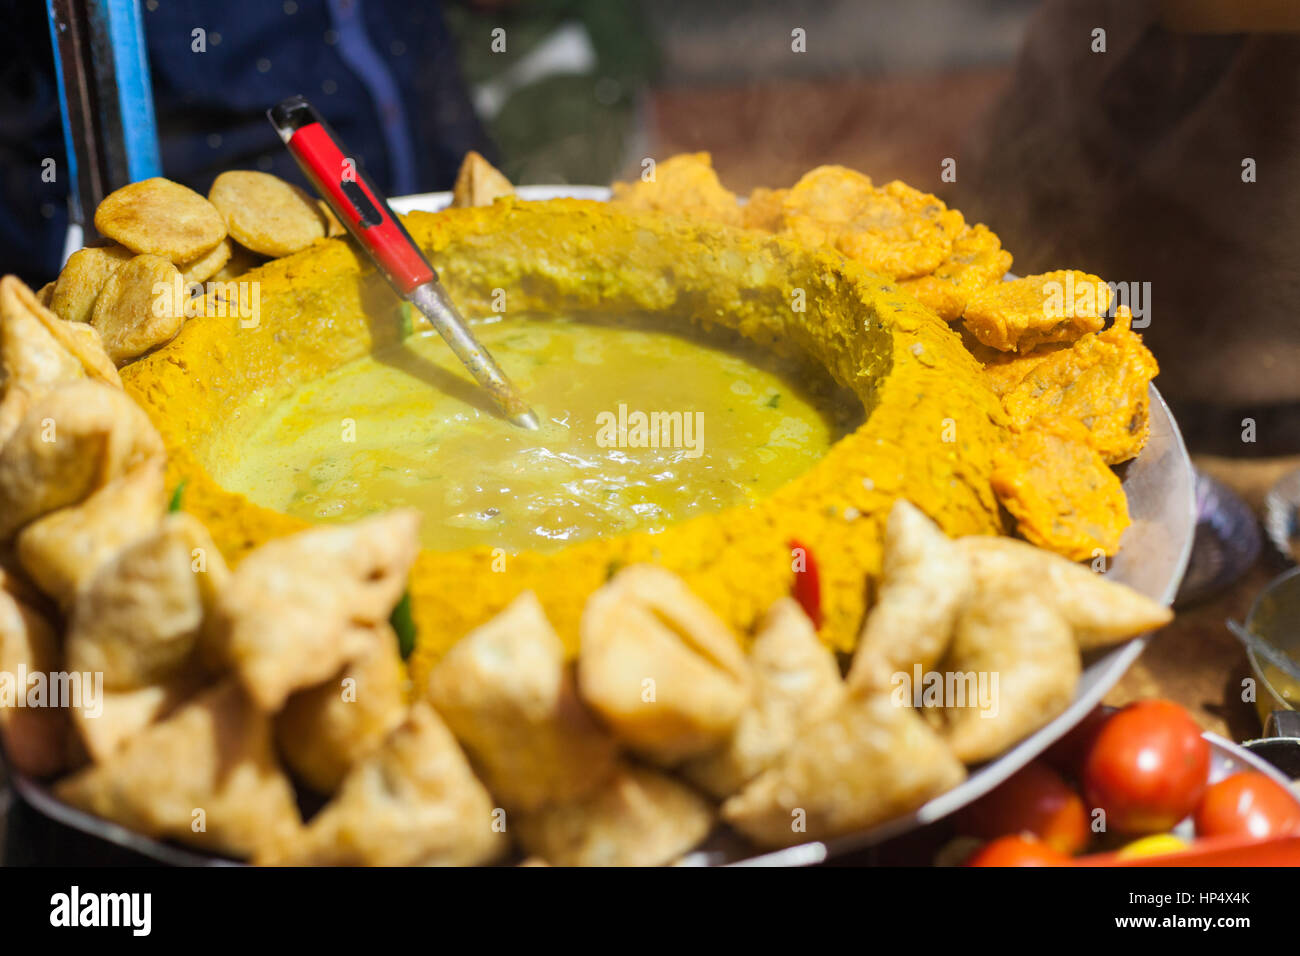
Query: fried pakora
<point x="1060" y="490"/>
<point x="977" y="261"/>
<point x="682" y="185"/>
<point x="893" y="229"/>
<point x="1101" y="382"/>
<point x="1020" y="315"/>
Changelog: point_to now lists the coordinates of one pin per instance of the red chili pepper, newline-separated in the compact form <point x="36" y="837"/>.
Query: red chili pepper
<point x="807" y="589"/>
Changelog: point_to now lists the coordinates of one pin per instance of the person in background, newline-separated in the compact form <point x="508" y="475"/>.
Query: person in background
<point x="384" y="73"/>
<point x="1165" y="149"/>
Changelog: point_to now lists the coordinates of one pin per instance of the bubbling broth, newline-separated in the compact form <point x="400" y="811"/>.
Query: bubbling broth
<point x="640" y="427"/>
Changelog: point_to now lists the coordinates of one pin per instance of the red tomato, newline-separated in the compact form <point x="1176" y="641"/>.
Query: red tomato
<point x="1018" y="851"/>
<point x="1147" y="767"/>
<point x="807" y="588"/>
<point x="1036" y="800"/>
<point x="1247" y="804"/>
<point x="1068" y="753"/>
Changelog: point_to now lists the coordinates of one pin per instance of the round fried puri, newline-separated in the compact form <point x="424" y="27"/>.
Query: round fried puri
<point x="82" y="279"/>
<point x="209" y="264"/>
<point x="139" y="308"/>
<point x="266" y="214"/>
<point x="162" y="218"/>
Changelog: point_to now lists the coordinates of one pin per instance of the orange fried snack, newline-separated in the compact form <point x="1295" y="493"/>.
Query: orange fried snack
<point x="765" y="210"/>
<point x="1056" y="306"/>
<point x="1060" y="491"/>
<point x="1100" y="383"/>
<point x="894" y="229"/>
<point x="977" y="260"/>
<point x="683" y="185"/>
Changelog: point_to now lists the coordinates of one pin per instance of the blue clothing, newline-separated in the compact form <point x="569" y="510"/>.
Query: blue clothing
<point x="382" y="72"/>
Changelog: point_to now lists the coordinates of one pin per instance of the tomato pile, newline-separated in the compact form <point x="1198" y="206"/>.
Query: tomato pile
<point x="1121" y="781"/>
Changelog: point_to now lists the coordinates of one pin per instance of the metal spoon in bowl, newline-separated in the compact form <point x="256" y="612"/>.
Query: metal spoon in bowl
<point x="362" y="209"/>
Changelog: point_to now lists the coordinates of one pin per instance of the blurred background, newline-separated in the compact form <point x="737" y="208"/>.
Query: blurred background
<point x="1106" y="135"/>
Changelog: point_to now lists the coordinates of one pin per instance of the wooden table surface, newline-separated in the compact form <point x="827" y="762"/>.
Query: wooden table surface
<point x="768" y="134"/>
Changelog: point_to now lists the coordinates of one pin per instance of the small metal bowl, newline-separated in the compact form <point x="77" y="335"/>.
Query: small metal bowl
<point x="1274" y="619"/>
<point x="1282" y="515"/>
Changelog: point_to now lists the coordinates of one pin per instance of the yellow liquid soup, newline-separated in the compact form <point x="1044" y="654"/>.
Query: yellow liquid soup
<point x="408" y="426"/>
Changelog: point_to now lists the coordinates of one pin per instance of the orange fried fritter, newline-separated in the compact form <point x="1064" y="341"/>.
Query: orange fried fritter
<point x="1100" y="382"/>
<point x="1061" y="492"/>
<point x="765" y="210"/>
<point x="894" y="229"/>
<point x="977" y="260"/>
<point x="1056" y="306"/>
<point x="684" y="185"/>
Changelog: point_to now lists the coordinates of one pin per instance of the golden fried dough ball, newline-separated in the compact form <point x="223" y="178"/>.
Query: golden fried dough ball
<point x="266" y="214"/>
<point x="82" y="279"/>
<point x="161" y="218"/>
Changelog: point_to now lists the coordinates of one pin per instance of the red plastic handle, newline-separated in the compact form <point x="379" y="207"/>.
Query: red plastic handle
<point x="360" y="207"/>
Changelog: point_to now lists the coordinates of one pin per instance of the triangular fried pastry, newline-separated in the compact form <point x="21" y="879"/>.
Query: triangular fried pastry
<point x="509" y="696"/>
<point x="324" y="730"/>
<point x="1023" y="652"/>
<point x="925" y="582"/>
<point x="33" y="737"/>
<point x="70" y="443"/>
<point x="412" y="802"/>
<point x="206" y="777"/>
<point x="869" y="762"/>
<point x="637" y="817"/>
<point x="796" y="683"/>
<point x="299" y="608"/>
<point x="478" y="183"/>
<point x="138" y="622"/>
<point x="76" y="337"/>
<point x="63" y="549"/>
<point x="1101" y="612"/>
<point x="659" y="666"/>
